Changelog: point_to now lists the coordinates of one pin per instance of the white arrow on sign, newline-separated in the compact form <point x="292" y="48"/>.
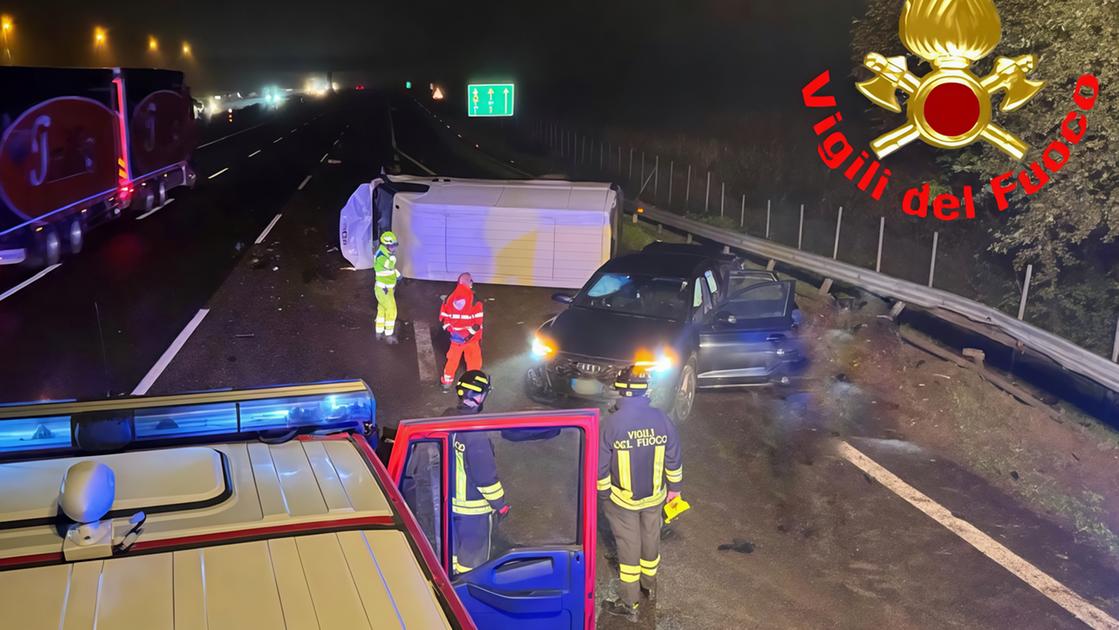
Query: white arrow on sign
<point x="506" y="100"/>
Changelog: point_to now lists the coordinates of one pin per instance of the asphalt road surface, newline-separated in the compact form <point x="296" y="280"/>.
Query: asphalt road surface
<point x="788" y="530"/>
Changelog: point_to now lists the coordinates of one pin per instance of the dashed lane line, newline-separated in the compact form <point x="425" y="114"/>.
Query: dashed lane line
<point x="425" y="353"/>
<point x="267" y="229"/>
<point x="304" y="182"/>
<point x="277" y="140"/>
<point x="254" y="153"/>
<point x="28" y="282"/>
<point x="169" y="354"/>
<point x="1007" y="559"/>
<point x="218" y="173"/>
<point x="236" y="133"/>
<point x="324" y="156"/>
<point x="154" y="210"/>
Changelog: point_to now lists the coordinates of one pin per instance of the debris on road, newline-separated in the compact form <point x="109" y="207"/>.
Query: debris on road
<point x="739" y="545"/>
<point x="245" y="335"/>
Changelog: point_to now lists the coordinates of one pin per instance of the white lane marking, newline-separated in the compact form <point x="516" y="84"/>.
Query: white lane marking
<point x="416" y="162"/>
<point x="293" y="130"/>
<point x="255" y="152"/>
<point x="1007" y="559"/>
<point x="12" y="291"/>
<point x="425" y="353"/>
<point x="277" y="140"/>
<point x="336" y="142"/>
<point x="154" y="210"/>
<point x="169" y="354"/>
<point x="236" y="133"/>
<point x="324" y="156"/>
<point x="304" y="182"/>
<point x="267" y="229"/>
<point x="218" y="173"/>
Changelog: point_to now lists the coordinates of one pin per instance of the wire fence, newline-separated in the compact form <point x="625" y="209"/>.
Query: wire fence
<point x="946" y="256"/>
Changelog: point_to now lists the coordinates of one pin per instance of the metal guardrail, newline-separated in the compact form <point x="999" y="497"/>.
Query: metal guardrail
<point x="1065" y="353"/>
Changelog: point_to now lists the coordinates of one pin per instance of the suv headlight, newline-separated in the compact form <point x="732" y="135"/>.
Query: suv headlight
<point x="661" y="363"/>
<point x="542" y="348"/>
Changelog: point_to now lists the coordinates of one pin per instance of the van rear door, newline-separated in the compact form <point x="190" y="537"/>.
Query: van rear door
<point x="536" y="565"/>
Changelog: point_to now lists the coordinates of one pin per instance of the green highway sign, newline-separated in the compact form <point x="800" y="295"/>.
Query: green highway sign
<point x="490" y="99"/>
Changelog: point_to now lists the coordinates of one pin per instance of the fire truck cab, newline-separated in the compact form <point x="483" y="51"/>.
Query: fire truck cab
<point x="268" y="508"/>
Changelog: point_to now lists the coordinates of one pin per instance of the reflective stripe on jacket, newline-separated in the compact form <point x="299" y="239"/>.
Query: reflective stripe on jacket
<point x="639" y="455"/>
<point x="477" y="488"/>
<point x="384" y="266"/>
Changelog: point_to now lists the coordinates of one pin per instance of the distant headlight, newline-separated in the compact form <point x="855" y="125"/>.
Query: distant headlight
<point x="542" y="348"/>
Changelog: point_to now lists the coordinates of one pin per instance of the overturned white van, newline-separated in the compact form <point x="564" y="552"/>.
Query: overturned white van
<point x="545" y="233"/>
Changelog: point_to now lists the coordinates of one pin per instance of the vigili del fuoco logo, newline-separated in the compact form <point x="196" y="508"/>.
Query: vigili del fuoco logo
<point x="949" y="107"/>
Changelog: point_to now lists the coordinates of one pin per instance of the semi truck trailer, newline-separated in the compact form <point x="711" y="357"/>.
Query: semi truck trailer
<point x="79" y="146"/>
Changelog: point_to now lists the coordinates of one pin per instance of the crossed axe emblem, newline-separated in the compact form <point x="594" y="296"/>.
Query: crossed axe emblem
<point x="949" y="107"/>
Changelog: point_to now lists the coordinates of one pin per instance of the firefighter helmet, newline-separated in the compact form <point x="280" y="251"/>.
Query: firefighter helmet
<point x="632" y="381"/>
<point x="472" y="387"/>
<point x="388" y="238"/>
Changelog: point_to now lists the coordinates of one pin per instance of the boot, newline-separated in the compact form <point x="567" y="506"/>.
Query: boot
<point x="391" y="340"/>
<point x="446" y="388"/>
<point x="621" y="609"/>
<point x="650" y="592"/>
<point x="380" y="336"/>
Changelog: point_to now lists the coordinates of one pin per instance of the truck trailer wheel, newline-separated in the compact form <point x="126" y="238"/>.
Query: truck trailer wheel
<point x="75" y="236"/>
<point x="48" y="248"/>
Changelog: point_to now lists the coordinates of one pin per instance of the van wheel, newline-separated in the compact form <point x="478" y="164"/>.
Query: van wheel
<point x="685" y="392"/>
<point x="75" y="236"/>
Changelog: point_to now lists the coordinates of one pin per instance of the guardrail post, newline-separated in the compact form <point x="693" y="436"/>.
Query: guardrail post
<point x="723" y="200"/>
<point x="707" y="195"/>
<point x="642" y="169"/>
<point x="631" y="164"/>
<point x="932" y="260"/>
<point x="800" y="230"/>
<point x="742" y="213"/>
<point x="1115" y="348"/>
<point x="656" y="177"/>
<point x="768" y="205"/>
<point x="881" y="233"/>
<point x="838" y="224"/>
<point x="619" y="158"/>
<point x="1025" y="291"/>
<point x="688" y="191"/>
<point x="601" y="155"/>
<point x="586" y="155"/>
<point x="671" y="178"/>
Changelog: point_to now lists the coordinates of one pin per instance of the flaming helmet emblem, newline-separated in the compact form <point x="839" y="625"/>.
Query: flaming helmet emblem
<point x="949" y="107"/>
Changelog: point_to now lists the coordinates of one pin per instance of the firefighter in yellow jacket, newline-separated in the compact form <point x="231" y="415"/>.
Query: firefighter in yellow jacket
<point x="384" y="287"/>
<point x="638" y="469"/>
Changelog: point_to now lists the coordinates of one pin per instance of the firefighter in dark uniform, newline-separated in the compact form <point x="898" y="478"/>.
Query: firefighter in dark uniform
<point x="478" y="500"/>
<point x="639" y="469"/>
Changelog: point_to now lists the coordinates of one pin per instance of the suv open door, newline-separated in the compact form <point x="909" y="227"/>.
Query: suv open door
<point x="537" y="564"/>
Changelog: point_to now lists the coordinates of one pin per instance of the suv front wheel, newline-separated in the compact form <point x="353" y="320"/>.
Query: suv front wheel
<point x="678" y="401"/>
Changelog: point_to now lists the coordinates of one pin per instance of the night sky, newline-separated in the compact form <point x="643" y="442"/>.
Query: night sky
<point x="671" y="55"/>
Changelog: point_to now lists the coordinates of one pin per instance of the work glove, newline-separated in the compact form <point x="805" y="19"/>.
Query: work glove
<point x="501" y="515"/>
<point x="672" y="494"/>
<point x="457" y="338"/>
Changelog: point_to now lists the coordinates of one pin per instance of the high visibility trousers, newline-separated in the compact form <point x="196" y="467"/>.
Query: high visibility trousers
<point x="386" y="310"/>
<point x="637" y="534"/>
<point x="471" y="350"/>
<point x="471" y="537"/>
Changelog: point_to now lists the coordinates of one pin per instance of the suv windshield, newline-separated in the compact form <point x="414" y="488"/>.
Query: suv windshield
<point x="637" y="294"/>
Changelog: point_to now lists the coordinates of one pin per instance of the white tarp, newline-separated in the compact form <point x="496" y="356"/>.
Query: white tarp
<point x="355" y="228"/>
